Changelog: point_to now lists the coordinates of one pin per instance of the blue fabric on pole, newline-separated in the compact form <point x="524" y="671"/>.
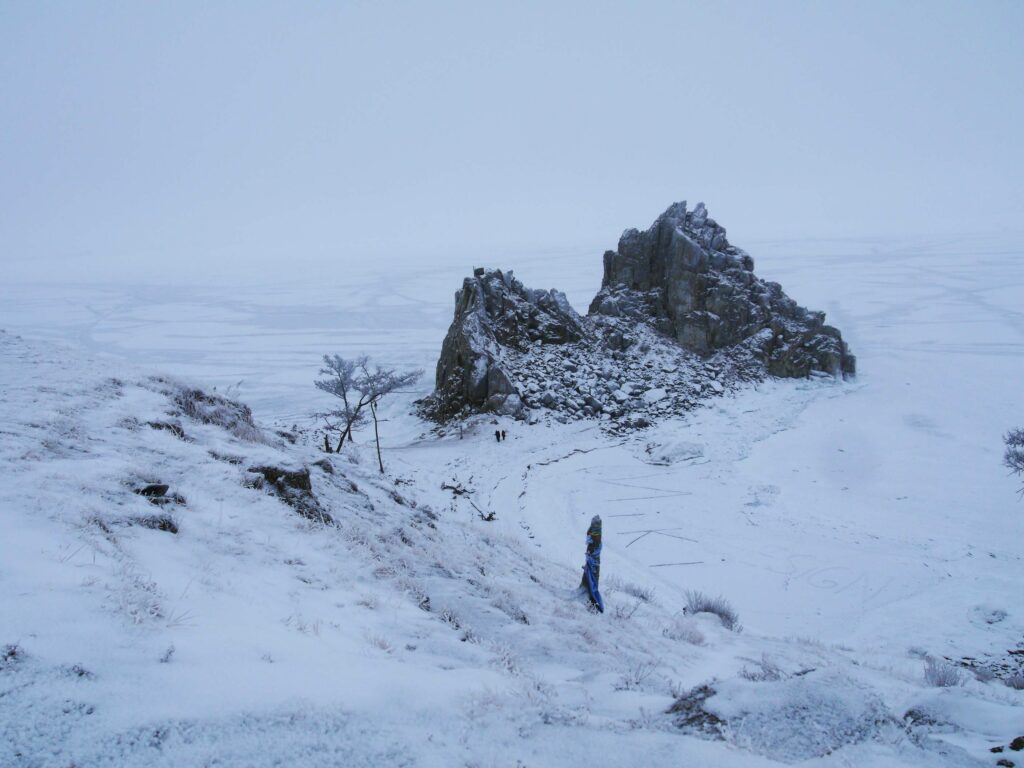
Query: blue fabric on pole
<point x="592" y="569"/>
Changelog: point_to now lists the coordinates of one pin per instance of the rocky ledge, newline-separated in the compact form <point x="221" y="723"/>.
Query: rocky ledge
<point x="680" y="317"/>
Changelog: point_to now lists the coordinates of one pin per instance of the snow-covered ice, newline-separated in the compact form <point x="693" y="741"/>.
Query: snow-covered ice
<point x="857" y="528"/>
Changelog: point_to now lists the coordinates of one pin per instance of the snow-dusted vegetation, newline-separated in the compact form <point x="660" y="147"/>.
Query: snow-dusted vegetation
<point x="358" y="407"/>
<point x="185" y="580"/>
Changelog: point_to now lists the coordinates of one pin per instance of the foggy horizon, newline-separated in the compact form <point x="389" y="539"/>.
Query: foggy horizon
<point x="141" y="138"/>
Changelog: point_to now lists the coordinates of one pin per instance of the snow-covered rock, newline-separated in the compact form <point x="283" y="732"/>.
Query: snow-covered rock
<point x="671" y="451"/>
<point x="684" y="277"/>
<point x="494" y="312"/>
<point x="397" y="636"/>
<point x="652" y="396"/>
<point x="672" y="299"/>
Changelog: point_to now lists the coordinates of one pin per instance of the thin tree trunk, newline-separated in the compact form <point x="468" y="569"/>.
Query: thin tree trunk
<point x="376" y="434"/>
<point x="346" y="432"/>
<point x="327" y="444"/>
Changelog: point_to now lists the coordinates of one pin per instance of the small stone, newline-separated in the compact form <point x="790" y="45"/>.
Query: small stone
<point x="153" y="490"/>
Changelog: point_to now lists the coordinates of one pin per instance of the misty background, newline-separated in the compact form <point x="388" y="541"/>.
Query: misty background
<point x="179" y="141"/>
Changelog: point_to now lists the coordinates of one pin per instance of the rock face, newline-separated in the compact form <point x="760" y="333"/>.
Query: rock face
<point x="494" y="313"/>
<point x="684" y="277"/>
<point x="680" y="318"/>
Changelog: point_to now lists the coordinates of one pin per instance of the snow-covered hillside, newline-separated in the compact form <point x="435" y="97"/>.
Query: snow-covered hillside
<point x="863" y="531"/>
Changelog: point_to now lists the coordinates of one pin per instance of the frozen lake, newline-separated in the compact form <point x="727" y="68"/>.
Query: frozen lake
<point x="896" y="479"/>
<point x="856" y="527"/>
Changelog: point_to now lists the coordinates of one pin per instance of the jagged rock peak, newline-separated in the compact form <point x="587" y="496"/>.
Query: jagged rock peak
<point x="495" y="312"/>
<point x="680" y="318"/>
<point x="683" y="277"/>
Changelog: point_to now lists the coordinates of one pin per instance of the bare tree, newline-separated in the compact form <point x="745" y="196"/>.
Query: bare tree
<point x="376" y="385"/>
<point x="341" y="381"/>
<point x="358" y="387"/>
<point x="1014" y="456"/>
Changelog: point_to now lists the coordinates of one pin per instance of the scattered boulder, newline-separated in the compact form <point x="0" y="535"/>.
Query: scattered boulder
<point x="672" y="451"/>
<point x="229" y="458"/>
<point x="157" y="493"/>
<point x="293" y="487"/>
<point x="690" y="715"/>
<point x="10" y="655"/>
<point x="170" y="426"/>
<point x="325" y="465"/>
<point x="162" y="522"/>
<point x="652" y="396"/>
<point x="798" y="718"/>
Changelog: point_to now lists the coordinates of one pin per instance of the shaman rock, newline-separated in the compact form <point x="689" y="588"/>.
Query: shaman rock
<point x="495" y="313"/>
<point x="684" y="278"/>
<point x="680" y="319"/>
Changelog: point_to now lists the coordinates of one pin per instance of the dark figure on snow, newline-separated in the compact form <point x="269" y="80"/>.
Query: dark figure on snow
<point x="497" y="435"/>
<point x="503" y="435"/>
<point x="592" y="568"/>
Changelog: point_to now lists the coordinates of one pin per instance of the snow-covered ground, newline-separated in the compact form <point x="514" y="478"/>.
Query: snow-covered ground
<point x="857" y="528"/>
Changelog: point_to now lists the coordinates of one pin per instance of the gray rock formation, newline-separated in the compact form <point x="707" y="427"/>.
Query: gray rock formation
<point x="680" y="318"/>
<point x="495" y="313"/>
<point x="684" y="277"/>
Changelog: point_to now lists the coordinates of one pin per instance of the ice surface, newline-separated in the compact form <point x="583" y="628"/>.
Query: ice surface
<point x="853" y="526"/>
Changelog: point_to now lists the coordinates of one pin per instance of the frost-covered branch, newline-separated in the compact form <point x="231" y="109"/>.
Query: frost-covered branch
<point x="1014" y="456"/>
<point x="358" y="386"/>
<point x="342" y="381"/>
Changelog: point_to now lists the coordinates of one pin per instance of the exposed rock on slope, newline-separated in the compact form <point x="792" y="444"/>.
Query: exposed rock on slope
<point x="680" y="316"/>
<point x="494" y="312"/>
<point x="577" y="367"/>
<point x="684" y="276"/>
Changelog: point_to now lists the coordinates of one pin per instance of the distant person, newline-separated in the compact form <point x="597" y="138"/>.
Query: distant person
<point x="497" y="435"/>
<point x="503" y="435"/>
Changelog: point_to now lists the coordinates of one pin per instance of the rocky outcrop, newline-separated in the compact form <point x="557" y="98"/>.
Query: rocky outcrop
<point x="494" y="314"/>
<point x="684" y="277"/>
<point x="292" y="486"/>
<point x="611" y="368"/>
<point x="680" y="317"/>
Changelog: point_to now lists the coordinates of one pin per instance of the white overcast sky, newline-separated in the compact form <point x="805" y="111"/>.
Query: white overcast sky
<point x="238" y="133"/>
